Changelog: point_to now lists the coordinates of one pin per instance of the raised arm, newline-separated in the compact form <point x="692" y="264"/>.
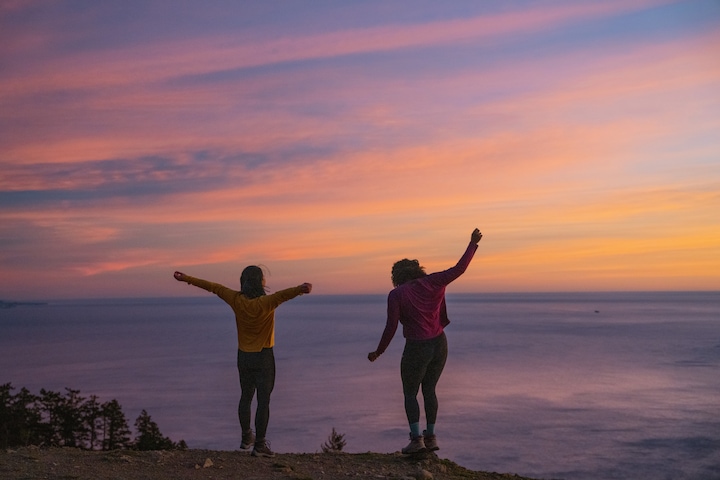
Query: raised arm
<point x="451" y="274"/>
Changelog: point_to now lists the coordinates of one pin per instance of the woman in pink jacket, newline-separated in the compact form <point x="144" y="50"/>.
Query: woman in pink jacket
<point x="418" y="303"/>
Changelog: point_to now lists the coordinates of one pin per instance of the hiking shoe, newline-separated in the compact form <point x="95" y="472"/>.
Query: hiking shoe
<point x="416" y="445"/>
<point x="248" y="440"/>
<point x="430" y="442"/>
<point x="262" y="449"/>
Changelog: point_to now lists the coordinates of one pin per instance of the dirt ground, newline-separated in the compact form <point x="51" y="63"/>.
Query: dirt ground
<point x="74" y="464"/>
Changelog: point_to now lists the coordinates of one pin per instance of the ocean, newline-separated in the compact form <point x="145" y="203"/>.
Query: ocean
<point x="569" y="386"/>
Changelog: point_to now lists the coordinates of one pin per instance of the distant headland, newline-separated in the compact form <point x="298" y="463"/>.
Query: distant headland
<point x="4" y="304"/>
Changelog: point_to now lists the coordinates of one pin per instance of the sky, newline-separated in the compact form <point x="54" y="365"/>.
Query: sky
<point x="325" y="140"/>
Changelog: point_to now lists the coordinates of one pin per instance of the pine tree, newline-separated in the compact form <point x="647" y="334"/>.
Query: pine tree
<point x="7" y="420"/>
<point x="149" y="436"/>
<point x="53" y="419"/>
<point x="50" y="407"/>
<point x="65" y="425"/>
<point x="20" y="417"/>
<point x="116" y="433"/>
<point x="92" y="418"/>
<point x="73" y="432"/>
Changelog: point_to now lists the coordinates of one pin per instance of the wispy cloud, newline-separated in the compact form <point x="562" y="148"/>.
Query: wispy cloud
<point x="336" y="150"/>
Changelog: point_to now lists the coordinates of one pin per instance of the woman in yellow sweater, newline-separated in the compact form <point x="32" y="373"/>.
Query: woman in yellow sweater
<point x="255" y="320"/>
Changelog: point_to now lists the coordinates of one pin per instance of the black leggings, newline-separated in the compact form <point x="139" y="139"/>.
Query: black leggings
<point x="257" y="373"/>
<point x="421" y="365"/>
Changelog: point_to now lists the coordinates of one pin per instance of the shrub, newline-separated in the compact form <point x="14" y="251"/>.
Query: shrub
<point x="335" y="443"/>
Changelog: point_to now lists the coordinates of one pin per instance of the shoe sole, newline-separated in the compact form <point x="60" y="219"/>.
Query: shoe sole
<point x="264" y="455"/>
<point x="248" y="445"/>
<point x="422" y="450"/>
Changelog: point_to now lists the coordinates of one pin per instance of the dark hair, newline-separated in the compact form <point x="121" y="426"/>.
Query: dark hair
<point x="405" y="270"/>
<point x="251" y="282"/>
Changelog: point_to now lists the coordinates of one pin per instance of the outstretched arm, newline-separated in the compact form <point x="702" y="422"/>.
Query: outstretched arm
<point x="220" y="290"/>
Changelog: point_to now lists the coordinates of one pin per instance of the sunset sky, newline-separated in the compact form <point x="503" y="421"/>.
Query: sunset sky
<point x="328" y="139"/>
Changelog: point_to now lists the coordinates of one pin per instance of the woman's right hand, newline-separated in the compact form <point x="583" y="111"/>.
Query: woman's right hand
<point x="306" y="287"/>
<point x="475" y="236"/>
<point x="179" y="276"/>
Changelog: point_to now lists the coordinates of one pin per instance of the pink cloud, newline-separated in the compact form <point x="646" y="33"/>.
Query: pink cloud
<point x="572" y="168"/>
<point x="200" y="56"/>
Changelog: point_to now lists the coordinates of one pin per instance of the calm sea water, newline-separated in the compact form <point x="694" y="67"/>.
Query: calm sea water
<point x="572" y="386"/>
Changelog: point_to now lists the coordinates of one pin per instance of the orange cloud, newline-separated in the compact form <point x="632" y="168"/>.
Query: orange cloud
<point x="589" y="168"/>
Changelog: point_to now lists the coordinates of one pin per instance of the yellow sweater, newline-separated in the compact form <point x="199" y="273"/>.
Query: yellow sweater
<point x="254" y="317"/>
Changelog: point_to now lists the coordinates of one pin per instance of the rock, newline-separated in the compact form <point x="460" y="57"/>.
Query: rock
<point x="423" y="474"/>
<point x="208" y="463"/>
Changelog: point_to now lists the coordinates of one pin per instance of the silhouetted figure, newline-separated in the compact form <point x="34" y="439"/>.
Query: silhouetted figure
<point x="255" y="320"/>
<point x="418" y="303"/>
